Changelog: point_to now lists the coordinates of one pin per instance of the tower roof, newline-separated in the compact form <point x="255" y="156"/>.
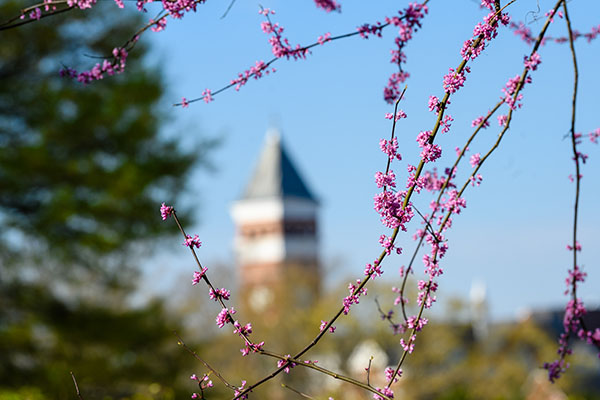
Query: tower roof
<point x="275" y="175"/>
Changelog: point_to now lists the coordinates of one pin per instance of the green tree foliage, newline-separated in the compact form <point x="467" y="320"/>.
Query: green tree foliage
<point x="83" y="170"/>
<point x="83" y="167"/>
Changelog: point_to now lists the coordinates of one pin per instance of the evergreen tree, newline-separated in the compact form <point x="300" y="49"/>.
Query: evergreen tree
<point x="83" y="170"/>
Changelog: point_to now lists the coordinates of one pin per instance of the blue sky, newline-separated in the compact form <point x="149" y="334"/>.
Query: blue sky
<point x="330" y="108"/>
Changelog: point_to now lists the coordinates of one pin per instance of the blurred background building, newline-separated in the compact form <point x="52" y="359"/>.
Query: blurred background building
<point x="276" y="240"/>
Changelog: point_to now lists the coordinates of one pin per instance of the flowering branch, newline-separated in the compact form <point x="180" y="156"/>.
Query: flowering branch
<point x="34" y="13"/>
<point x="575" y="310"/>
<point x="282" y="49"/>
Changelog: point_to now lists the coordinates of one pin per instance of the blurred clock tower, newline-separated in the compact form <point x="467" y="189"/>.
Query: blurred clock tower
<point x="276" y="242"/>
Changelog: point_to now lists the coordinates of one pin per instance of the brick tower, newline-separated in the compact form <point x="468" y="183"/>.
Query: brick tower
<point x="276" y="233"/>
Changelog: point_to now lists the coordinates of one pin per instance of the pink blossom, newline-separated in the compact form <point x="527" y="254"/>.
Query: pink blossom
<point x="159" y="25"/>
<point x="480" y="121"/>
<point x="324" y="38"/>
<point x="594" y="135"/>
<point x="532" y="62"/>
<point x="207" y="96"/>
<point x="400" y="114"/>
<point x="431" y="152"/>
<point x="389" y="373"/>
<point x="453" y="81"/>
<point x="165" y="211"/>
<point x="192" y="241"/>
<point x="198" y="275"/>
<point x="474" y="160"/>
<point x="224" y="317"/>
<point x="286" y="364"/>
<point x="328" y="5"/>
<point x="218" y="294"/>
<point x="434" y="104"/>
<point x="382" y="180"/>
<point x="385" y="391"/>
<point x="390" y="147"/>
<point x="502" y="119"/>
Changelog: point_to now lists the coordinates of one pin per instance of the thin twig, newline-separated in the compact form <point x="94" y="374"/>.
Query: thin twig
<point x="197" y="357"/>
<point x="76" y="386"/>
<point x="296" y="391"/>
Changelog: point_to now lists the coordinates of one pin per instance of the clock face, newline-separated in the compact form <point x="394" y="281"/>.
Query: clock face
<point x="260" y="297"/>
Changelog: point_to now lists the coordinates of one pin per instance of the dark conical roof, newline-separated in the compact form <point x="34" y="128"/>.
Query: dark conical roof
<point x="275" y="174"/>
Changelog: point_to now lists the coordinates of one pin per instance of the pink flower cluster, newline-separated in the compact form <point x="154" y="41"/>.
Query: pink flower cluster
<point x="384" y="180"/>
<point x="367" y="29"/>
<point x="324" y="38"/>
<point x="521" y="30"/>
<point x="115" y="66"/>
<point x="407" y="21"/>
<point x="594" y="135"/>
<point x="286" y="364"/>
<point x="509" y="92"/>
<point x="255" y="72"/>
<point x="474" y="161"/>
<point x="192" y="241"/>
<point x="166" y="211"/>
<point x="432" y="182"/>
<point x="280" y="46"/>
<point x="373" y="270"/>
<point x="328" y="5"/>
<point x="225" y="316"/>
<point x="239" y="390"/>
<point x="177" y="8"/>
<point x="390" y="147"/>
<point x="454" y="80"/>
<point x="410" y="345"/>
<point x="425" y="293"/>
<point x="572" y="324"/>
<point x="481" y="120"/>
<point x="400" y="114"/>
<point x="389" y="374"/>
<point x="416" y="323"/>
<point x="324" y="325"/>
<point x="388" y="246"/>
<point x="483" y="33"/>
<point x="204" y="383"/>
<point x="244" y="331"/>
<point x="198" y="275"/>
<point x="353" y="298"/>
<point x="385" y="391"/>
<point x="532" y="62"/>
<point x="389" y="206"/>
<point x="219" y="294"/>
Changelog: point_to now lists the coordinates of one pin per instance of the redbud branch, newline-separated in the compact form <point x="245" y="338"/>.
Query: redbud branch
<point x="577" y="164"/>
<point x="428" y="225"/>
<point x="389" y="161"/>
<point x="574" y="147"/>
<point x="476" y="169"/>
<point x="274" y="59"/>
<point x="384" y="315"/>
<point x="439" y="198"/>
<point x="325" y="371"/>
<point x="369" y="371"/>
<point x="518" y="89"/>
<point x="197" y="357"/>
<point x="9" y="25"/>
<point x="205" y="278"/>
